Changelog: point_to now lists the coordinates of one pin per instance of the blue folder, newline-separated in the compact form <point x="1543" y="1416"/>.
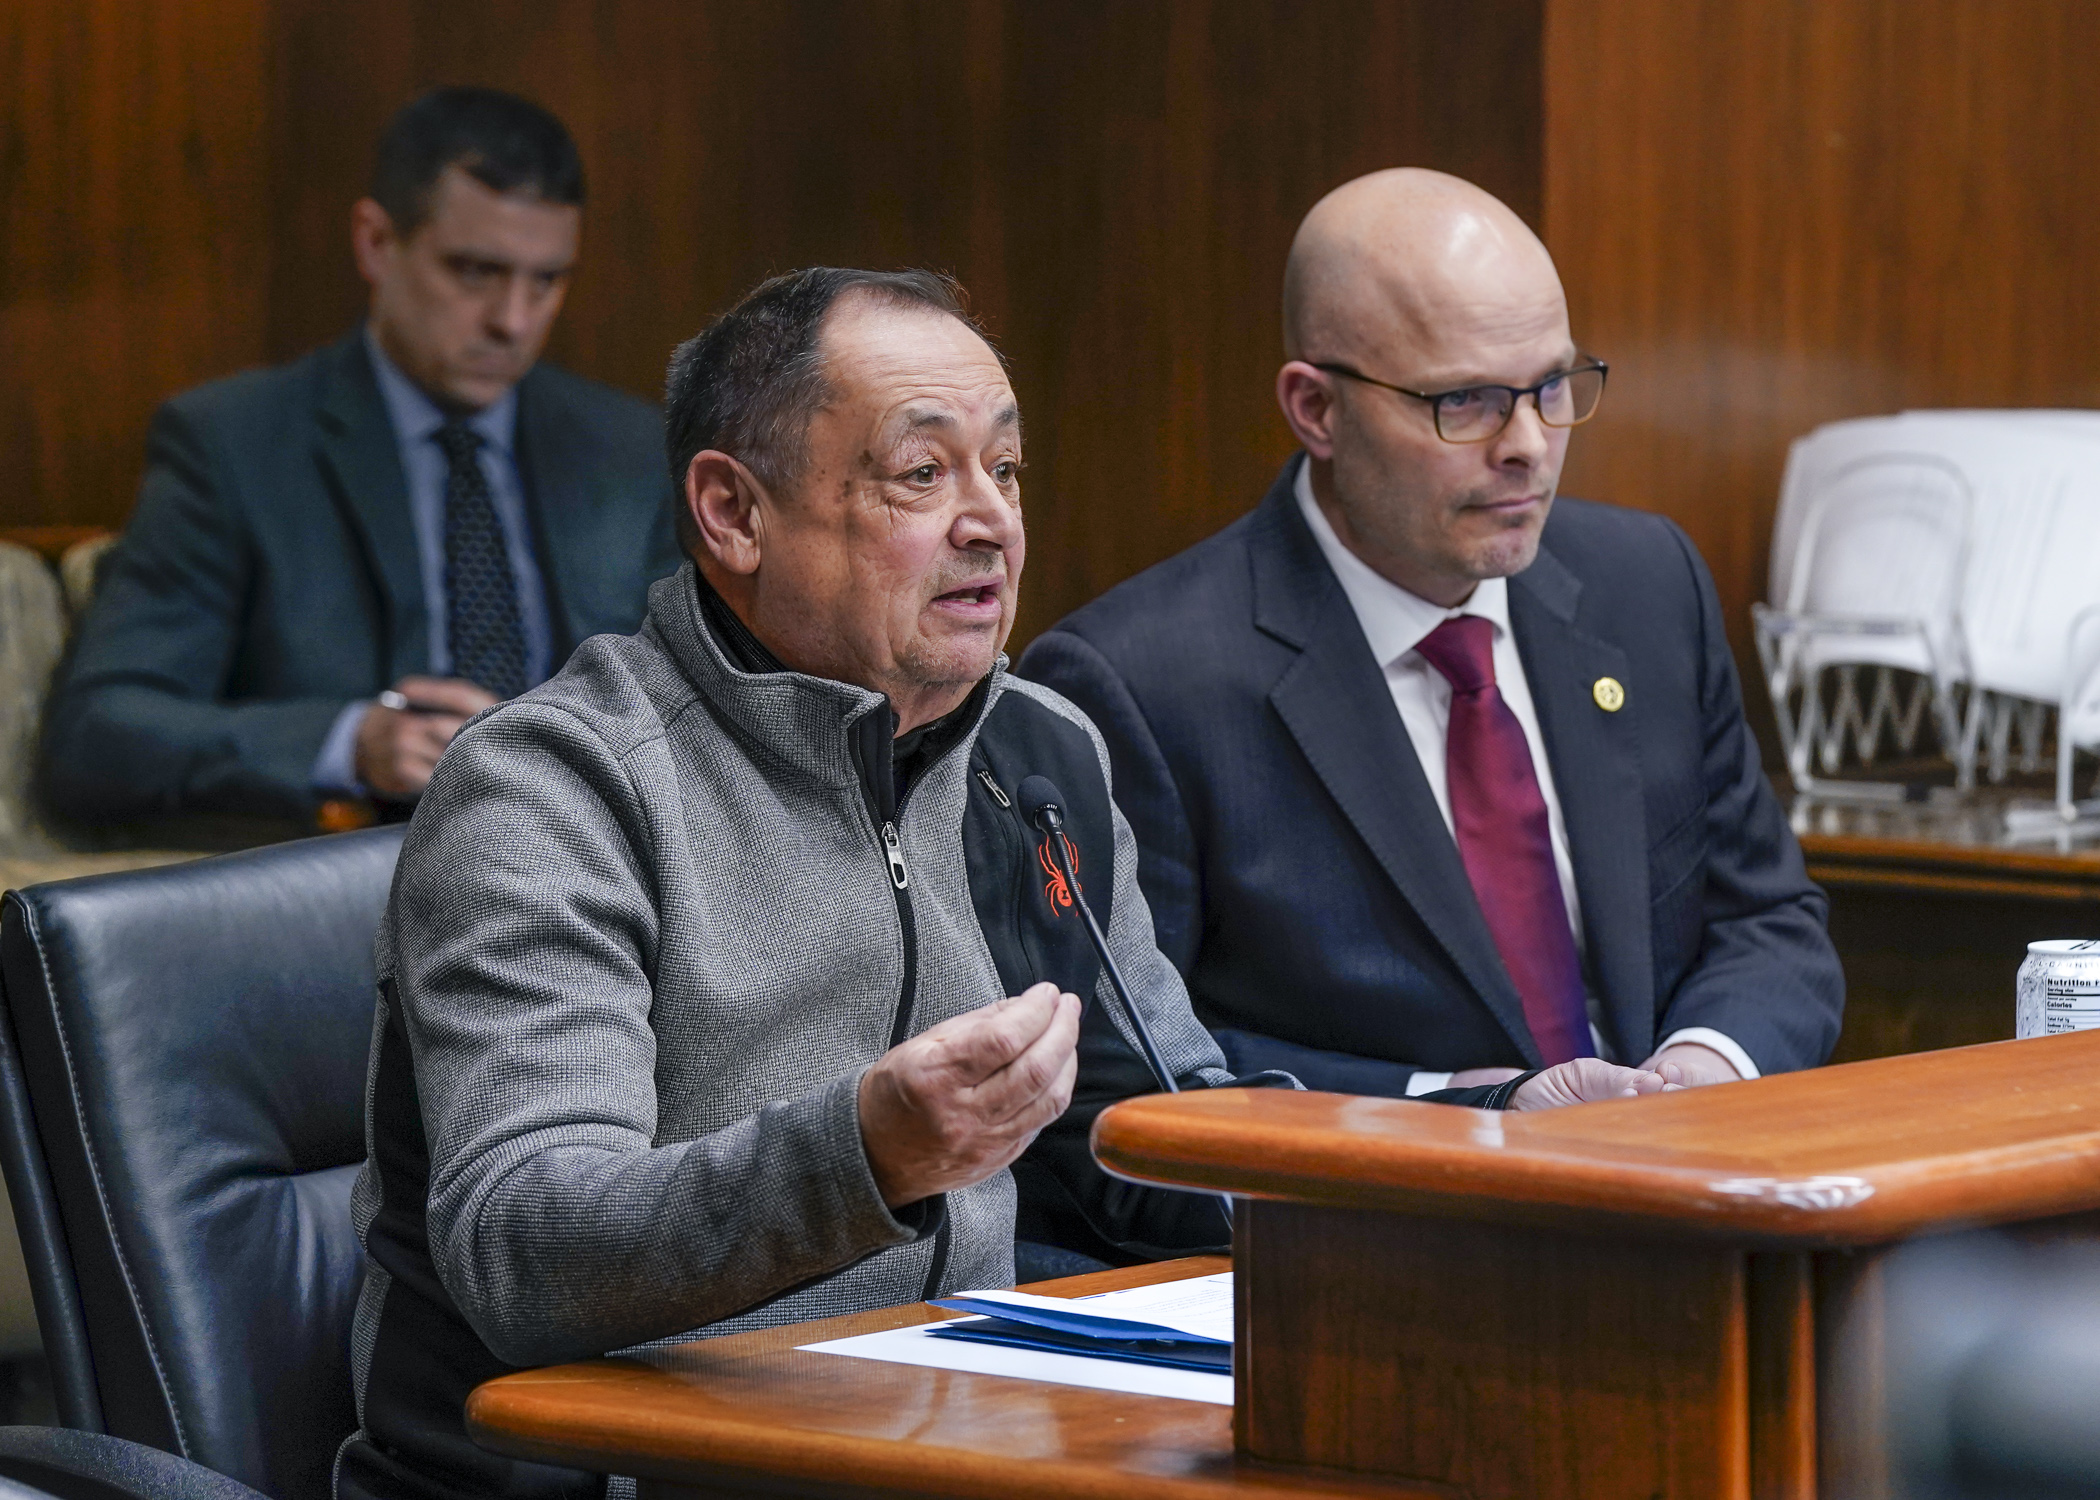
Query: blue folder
<point x="1073" y="1331"/>
<point x="1179" y="1353"/>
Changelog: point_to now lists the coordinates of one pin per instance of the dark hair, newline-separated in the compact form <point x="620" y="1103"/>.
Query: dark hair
<point x="505" y="143"/>
<point x="749" y="382"/>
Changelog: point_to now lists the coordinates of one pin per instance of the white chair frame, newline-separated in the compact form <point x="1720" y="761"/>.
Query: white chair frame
<point x="1787" y="640"/>
<point x="2081" y="667"/>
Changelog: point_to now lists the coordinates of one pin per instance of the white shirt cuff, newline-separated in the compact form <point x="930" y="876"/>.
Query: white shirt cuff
<point x="335" y="768"/>
<point x="1427" y="1083"/>
<point x="1719" y="1042"/>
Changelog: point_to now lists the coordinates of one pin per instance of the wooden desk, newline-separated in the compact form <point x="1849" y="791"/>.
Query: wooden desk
<point x="1932" y="907"/>
<point x="1675" y="1296"/>
<point x="1944" y="848"/>
<point x="748" y="1414"/>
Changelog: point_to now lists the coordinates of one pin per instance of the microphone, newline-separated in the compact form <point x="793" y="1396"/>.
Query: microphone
<point x="1042" y="804"/>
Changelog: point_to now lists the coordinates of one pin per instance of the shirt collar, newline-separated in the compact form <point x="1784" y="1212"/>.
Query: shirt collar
<point x="416" y="417"/>
<point x="1394" y="621"/>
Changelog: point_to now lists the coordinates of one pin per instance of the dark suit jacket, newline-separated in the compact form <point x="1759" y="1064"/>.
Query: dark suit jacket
<point x="269" y="576"/>
<point x="1302" y="878"/>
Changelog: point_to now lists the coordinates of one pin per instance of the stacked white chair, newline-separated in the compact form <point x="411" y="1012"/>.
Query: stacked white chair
<point x="1875" y="582"/>
<point x="2078" y="714"/>
<point x="2033" y="559"/>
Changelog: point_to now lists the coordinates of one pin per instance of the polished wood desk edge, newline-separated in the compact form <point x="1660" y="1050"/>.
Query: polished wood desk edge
<point x="1867" y="877"/>
<point x="688" y="1456"/>
<point x="1396" y="1156"/>
<point x="1754" y="1214"/>
<point x="1863" y="862"/>
<point x="1859" y="848"/>
<point x="629" y="1416"/>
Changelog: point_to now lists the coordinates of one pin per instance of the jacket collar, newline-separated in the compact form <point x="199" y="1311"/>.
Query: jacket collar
<point x="1370" y="768"/>
<point x="361" y="460"/>
<point x="1394" y="621"/>
<point x="1365" y="759"/>
<point x="416" y="418"/>
<point x="1596" y="758"/>
<point x="801" y="723"/>
<point x="361" y="463"/>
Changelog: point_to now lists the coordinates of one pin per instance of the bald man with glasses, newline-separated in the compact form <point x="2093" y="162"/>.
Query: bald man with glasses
<point x="1436" y="777"/>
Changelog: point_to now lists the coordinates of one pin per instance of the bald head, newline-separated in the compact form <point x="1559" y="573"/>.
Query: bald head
<point x="1386" y="264"/>
<point x="1424" y="284"/>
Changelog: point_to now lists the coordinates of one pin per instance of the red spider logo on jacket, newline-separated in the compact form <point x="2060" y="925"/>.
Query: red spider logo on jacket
<point x="1056" y="892"/>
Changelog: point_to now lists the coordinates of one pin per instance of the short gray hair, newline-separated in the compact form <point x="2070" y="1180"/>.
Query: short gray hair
<point x="749" y="382"/>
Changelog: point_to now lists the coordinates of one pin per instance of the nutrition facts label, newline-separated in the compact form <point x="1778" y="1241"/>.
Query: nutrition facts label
<point x="2070" y="1006"/>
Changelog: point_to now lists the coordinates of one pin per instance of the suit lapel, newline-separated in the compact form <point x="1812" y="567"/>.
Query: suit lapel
<point x="554" y="467"/>
<point x="362" y="463"/>
<point x="1595" y="756"/>
<point x="1334" y="701"/>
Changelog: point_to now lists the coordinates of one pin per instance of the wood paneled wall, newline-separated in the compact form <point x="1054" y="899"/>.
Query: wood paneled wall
<point x="1117" y="182"/>
<point x="1768" y="214"/>
<point x="135" y="233"/>
<point x="1774" y="213"/>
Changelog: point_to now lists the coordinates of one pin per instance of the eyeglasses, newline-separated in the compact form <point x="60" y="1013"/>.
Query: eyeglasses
<point x="1476" y="413"/>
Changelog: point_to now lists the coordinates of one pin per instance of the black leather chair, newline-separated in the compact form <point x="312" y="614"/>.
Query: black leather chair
<point x="41" y="1462"/>
<point x="181" y="1117"/>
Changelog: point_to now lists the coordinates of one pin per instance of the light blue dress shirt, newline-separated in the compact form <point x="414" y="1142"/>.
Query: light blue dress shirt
<point x="416" y="419"/>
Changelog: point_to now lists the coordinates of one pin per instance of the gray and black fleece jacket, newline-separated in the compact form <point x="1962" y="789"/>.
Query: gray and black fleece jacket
<point x="652" y="922"/>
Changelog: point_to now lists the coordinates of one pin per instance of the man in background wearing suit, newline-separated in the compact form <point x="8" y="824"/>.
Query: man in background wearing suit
<point x="333" y="564"/>
<point x="1435" y="777"/>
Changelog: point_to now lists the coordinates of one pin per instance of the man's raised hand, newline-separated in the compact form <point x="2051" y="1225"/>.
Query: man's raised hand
<point x="956" y="1103"/>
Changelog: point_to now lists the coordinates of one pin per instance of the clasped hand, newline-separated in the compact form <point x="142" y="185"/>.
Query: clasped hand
<point x="961" y="1100"/>
<point x="1583" y="1081"/>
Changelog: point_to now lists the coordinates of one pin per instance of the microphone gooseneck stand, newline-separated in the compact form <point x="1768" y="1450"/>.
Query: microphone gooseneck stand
<point x="1042" y="804"/>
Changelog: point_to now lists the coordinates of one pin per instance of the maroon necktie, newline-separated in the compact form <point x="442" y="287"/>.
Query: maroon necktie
<point x="1499" y="817"/>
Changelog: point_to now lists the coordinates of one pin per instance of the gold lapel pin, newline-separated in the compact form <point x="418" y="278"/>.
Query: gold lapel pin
<point x="1609" y="695"/>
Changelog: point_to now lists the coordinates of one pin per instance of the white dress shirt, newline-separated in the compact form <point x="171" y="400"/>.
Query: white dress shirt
<point x="1394" y="622"/>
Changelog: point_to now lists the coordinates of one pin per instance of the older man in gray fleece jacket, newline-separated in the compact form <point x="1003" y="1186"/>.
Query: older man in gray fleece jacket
<point x="722" y="985"/>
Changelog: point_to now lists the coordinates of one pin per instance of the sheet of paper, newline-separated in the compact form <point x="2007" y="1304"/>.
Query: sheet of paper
<point x="1200" y="1304"/>
<point x="1200" y="1307"/>
<point x="911" y="1346"/>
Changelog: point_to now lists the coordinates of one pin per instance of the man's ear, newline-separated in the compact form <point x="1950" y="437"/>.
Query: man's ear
<point x="1306" y="395"/>
<point x="372" y="238"/>
<point x="721" y="500"/>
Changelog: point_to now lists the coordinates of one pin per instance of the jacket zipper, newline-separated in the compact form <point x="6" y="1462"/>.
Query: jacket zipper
<point x="878" y="787"/>
<point x="899" y="876"/>
<point x="872" y="748"/>
<point x="900" y="887"/>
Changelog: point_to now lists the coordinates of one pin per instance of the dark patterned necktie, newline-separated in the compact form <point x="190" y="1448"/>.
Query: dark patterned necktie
<point x="481" y="594"/>
<point x="1499" y="816"/>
